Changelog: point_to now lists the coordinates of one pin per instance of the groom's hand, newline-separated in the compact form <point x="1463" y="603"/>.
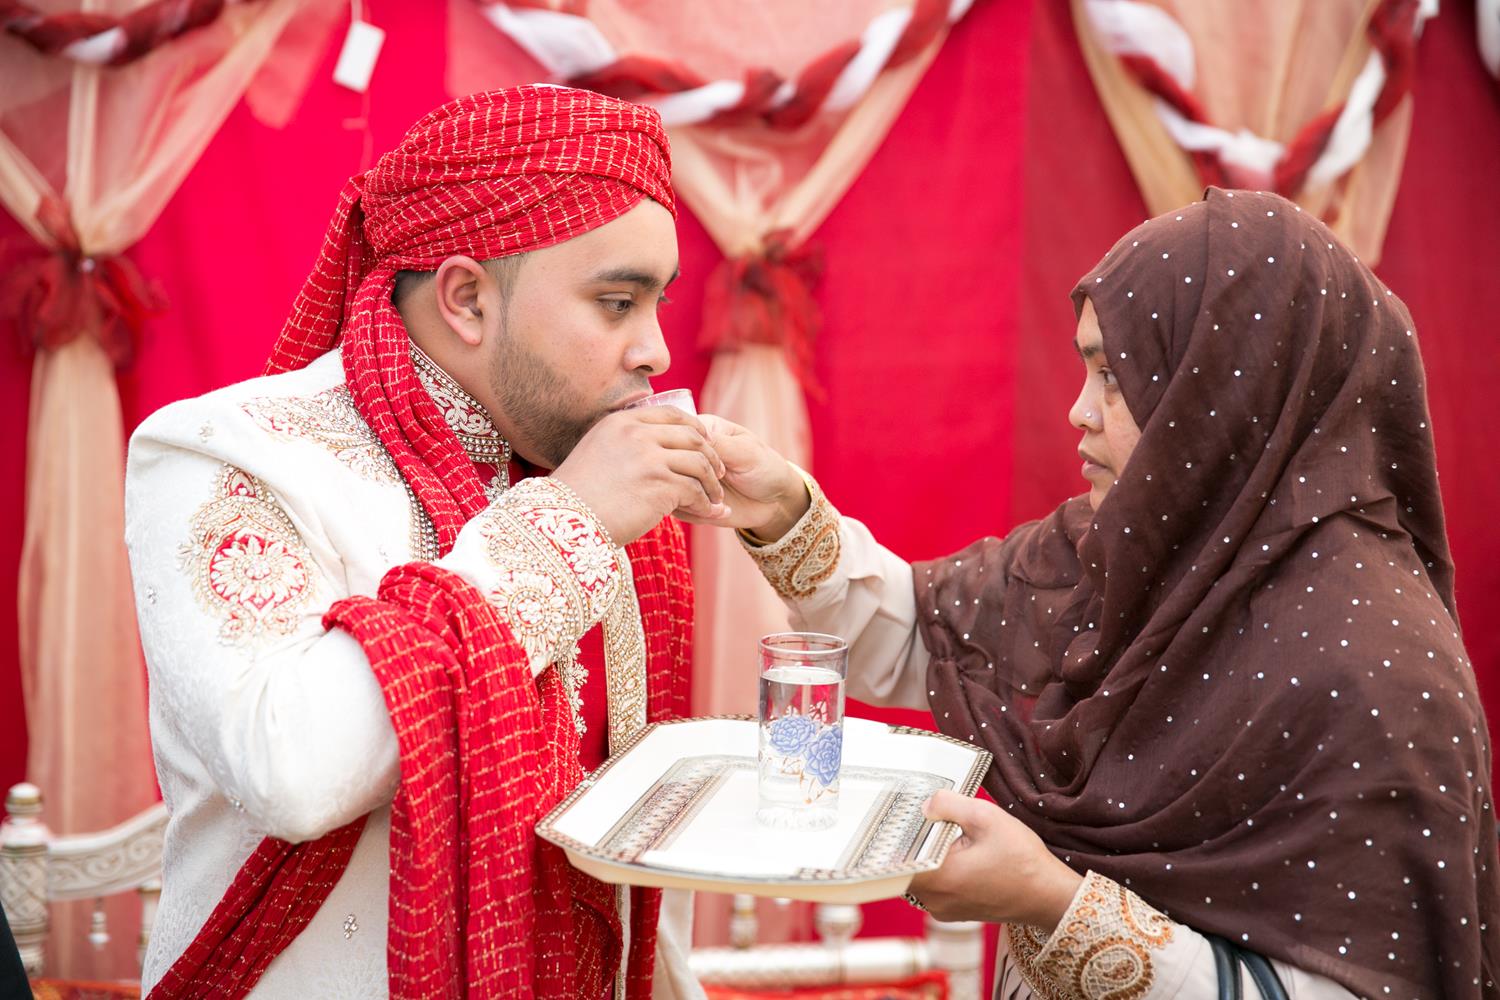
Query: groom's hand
<point x="764" y="492"/>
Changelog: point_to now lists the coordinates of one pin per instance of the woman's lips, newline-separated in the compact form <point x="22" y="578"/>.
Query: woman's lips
<point x="1091" y="466"/>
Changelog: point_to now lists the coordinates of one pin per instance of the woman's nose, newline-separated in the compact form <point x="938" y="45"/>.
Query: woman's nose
<point x="1084" y="414"/>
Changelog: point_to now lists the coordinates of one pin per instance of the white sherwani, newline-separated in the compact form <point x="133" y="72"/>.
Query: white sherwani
<point x="251" y="510"/>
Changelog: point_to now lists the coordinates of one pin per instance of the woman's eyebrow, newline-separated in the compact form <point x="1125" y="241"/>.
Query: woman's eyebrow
<point x="1091" y="351"/>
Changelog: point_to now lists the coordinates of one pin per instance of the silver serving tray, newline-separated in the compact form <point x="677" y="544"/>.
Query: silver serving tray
<point x="675" y="809"/>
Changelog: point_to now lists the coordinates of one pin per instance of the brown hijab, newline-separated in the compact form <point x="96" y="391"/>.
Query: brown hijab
<point x="1239" y="687"/>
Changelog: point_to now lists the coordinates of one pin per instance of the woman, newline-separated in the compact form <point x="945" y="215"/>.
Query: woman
<point x="1225" y="691"/>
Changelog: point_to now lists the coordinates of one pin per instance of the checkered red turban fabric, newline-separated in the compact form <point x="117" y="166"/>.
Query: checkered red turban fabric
<point x="488" y="175"/>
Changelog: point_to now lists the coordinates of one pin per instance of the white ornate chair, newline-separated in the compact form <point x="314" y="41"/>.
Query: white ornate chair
<point x="839" y="959"/>
<point x="37" y="869"/>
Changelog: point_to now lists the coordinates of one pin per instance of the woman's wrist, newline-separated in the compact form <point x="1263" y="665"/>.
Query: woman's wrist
<point x="1052" y="893"/>
<point x="793" y="501"/>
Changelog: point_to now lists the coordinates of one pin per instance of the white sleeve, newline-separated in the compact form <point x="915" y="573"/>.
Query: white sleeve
<point x="836" y="578"/>
<point x="1082" y="956"/>
<point x="233" y="574"/>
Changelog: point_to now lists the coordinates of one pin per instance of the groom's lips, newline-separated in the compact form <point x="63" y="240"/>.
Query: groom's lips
<point x="634" y="397"/>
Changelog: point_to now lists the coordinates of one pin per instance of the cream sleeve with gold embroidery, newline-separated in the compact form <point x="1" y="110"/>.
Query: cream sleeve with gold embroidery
<point x="1112" y="944"/>
<point x="240" y="541"/>
<point x="545" y="562"/>
<point x="836" y="578"/>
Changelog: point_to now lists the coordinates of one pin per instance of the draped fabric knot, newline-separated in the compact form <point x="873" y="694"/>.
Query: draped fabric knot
<point x="766" y="298"/>
<point x="63" y="292"/>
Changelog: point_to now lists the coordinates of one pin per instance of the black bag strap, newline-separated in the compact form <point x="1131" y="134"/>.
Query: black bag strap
<point x="1264" y="975"/>
<point x="1227" y="960"/>
<point x="1227" y="966"/>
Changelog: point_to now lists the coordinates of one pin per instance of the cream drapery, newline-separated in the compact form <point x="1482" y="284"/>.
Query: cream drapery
<point x="107" y="147"/>
<point x="1269" y="68"/>
<point x="728" y="177"/>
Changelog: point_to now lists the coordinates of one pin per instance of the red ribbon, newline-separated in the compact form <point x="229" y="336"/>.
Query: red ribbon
<point x="766" y="298"/>
<point x="65" y="293"/>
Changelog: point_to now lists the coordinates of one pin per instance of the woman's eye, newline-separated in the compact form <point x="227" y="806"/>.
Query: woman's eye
<point x="618" y="306"/>
<point x="1108" y="376"/>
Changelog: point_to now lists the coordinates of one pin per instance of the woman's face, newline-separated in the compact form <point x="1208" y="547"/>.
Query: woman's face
<point x="1109" y="431"/>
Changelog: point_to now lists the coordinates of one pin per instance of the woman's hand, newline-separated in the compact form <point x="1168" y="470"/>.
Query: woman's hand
<point x="764" y="492"/>
<point x="998" y="871"/>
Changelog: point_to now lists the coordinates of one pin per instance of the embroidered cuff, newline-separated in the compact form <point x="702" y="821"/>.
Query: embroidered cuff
<point x="558" y="569"/>
<point x="1103" y="947"/>
<point x="806" y="555"/>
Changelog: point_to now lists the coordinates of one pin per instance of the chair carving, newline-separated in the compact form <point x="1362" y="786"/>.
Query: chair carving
<point x="38" y="869"/>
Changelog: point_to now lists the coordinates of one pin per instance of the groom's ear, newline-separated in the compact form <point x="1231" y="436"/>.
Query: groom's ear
<point x="463" y="290"/>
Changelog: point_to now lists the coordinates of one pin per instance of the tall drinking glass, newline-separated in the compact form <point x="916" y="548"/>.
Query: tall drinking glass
<point x="801" y="729"/>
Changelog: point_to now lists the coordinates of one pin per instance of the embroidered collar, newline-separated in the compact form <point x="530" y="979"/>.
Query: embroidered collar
<point x="465" y="415"/>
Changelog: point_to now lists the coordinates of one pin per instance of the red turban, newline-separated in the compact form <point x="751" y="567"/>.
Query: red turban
<point x="488" y="175"/>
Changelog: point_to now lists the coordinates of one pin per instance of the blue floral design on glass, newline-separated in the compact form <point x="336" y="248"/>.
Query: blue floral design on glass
<point x="825" y="754"/>
<point x="792" y="732"/>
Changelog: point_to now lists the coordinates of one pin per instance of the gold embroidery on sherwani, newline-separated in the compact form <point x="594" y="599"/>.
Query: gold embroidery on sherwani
<point x="1101" y="950"/>
<point x="625" y="660"/>
<point x="558" y="573"/>
<point x="331" y="419"/>
<point x="467" y="418"/>
<point x="249" y="566"/>
<point x="805" y="556"/>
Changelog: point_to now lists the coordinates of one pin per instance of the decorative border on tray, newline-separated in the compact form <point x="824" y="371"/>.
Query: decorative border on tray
<point x="971" y="782"/>
<point x="944" y="836"/>
<point x="692" y="802"/>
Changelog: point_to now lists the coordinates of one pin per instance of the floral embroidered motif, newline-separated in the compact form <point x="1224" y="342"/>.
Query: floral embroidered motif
<point x="805" y="556"/>
<point x="1101" y="949"/>
<point x="558" y="573"/>
<point x="247" y="561"/>
<point x="331" y="419"/>
<point x="536" y="605"/>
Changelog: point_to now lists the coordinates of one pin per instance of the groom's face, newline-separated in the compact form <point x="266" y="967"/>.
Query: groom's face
<point x="578" y="331"/>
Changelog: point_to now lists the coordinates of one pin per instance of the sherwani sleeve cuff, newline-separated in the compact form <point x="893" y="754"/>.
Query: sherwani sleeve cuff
<point x="546" y="564"/>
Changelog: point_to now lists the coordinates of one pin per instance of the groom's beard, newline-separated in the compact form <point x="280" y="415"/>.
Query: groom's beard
<point x="542" y="406"/>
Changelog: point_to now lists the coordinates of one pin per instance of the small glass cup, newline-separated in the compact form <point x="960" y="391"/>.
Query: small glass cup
<point x="678" y="399"/>
<point x="801" y="729"/>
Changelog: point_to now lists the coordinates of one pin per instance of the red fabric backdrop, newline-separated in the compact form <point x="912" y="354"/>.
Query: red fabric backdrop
<point x="947" y="354"/>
